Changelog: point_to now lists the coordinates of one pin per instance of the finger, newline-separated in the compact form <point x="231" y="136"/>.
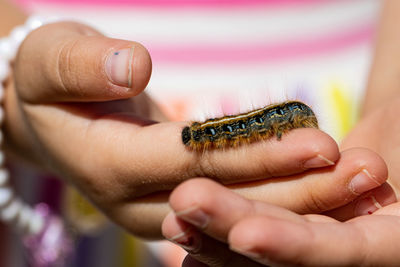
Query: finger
<point x="357" y="171"/>
<point x="136" y="156"/>
<point x="366" y="204"/>
<point x="366" y="240"/>
<point x="201" y="248"/>
<point x="214" y="209"/>
<point x="72" y="62"/>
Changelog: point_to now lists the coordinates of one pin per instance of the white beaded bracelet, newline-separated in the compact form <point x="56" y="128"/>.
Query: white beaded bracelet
<point x="36" y="224"/>
<point x="12" y="210"/>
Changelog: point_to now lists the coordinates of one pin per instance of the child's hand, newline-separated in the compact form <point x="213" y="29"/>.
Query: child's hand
<point x="263" y="234"/>
<point x="275" y="236"/>
<point x="73" y="107"/>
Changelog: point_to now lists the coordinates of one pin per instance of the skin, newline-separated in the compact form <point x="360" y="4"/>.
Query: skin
<point x="65" y="115"/>
<point x="263" y="234"/>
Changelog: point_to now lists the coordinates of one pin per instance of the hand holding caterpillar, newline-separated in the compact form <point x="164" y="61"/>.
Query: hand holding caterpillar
<point x="263" y="123"/>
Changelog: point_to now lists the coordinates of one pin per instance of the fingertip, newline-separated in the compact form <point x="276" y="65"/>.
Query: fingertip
<point x="181" y="233"/>
<point x="141" y="70"/>
<point x="376" y="199"/>
<point x="357" y="171"/>
<point x="323" y="147"/>
<point x="166" y="224"/>
<point x="172" y="226"/>
<point x="308" y="148"/>
<point x="368" y="203"/>
<point x="385" y="194"/>
<point x="363" y="159"/>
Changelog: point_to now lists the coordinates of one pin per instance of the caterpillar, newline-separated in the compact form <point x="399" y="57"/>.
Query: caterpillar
<point x="263" y="123"/>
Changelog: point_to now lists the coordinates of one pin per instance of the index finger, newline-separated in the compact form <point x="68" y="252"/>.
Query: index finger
<point x="155" y="155"/>
<point x="116" y="146"/>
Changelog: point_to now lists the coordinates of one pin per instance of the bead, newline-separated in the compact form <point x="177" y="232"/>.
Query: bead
<point x="24" y="217"/>
<point x="53" y="244"/>
<point x="4" y="70"/>
<point x="34" y="22"/>
<point x="7" y="49"/>
<point x="36" y="224"/>
<point x="18" y="35"/>
<point x="11" y="211"/>
<point x="5" y="195"/>
<point x="4" y="175"/>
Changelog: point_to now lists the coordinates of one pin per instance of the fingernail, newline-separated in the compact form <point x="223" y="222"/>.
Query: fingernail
<point x="362" y="182"/>
<point x="367" y="206"/>
<point x="187" y="240"/>
<point x="194" y="216"/>
<point x="318" y="161"/>
<point x="119" y="66"/>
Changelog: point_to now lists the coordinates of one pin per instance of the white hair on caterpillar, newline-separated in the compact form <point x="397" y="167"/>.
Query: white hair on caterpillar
<point x="235" y="102"/>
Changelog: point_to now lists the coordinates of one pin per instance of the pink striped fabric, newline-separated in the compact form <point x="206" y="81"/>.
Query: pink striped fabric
<point x="189" y="3"/>
<point x="257" y="52"/>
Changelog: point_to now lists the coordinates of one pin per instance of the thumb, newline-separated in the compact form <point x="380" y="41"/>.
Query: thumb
<point x="73" y="62"/>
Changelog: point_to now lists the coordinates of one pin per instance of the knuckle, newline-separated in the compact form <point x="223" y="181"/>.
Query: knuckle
<point x="314" y="202"/>
<point x="46" y="58"/>
<point x="206" y="167"/>
<point x="67" y="80"/>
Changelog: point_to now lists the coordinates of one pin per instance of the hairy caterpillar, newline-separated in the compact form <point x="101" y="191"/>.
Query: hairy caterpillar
<point x="263" y="123"/>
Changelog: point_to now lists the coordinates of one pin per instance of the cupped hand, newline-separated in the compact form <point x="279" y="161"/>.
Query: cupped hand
<point x="269" y="235"/>
<point x="205" y="214"/>
<point x="263" y="234"/>
<point x="75" y="106"/>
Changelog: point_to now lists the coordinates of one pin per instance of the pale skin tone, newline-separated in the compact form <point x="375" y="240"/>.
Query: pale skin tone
<point x="264" y="234"/>
<point x="65" y="114"/>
